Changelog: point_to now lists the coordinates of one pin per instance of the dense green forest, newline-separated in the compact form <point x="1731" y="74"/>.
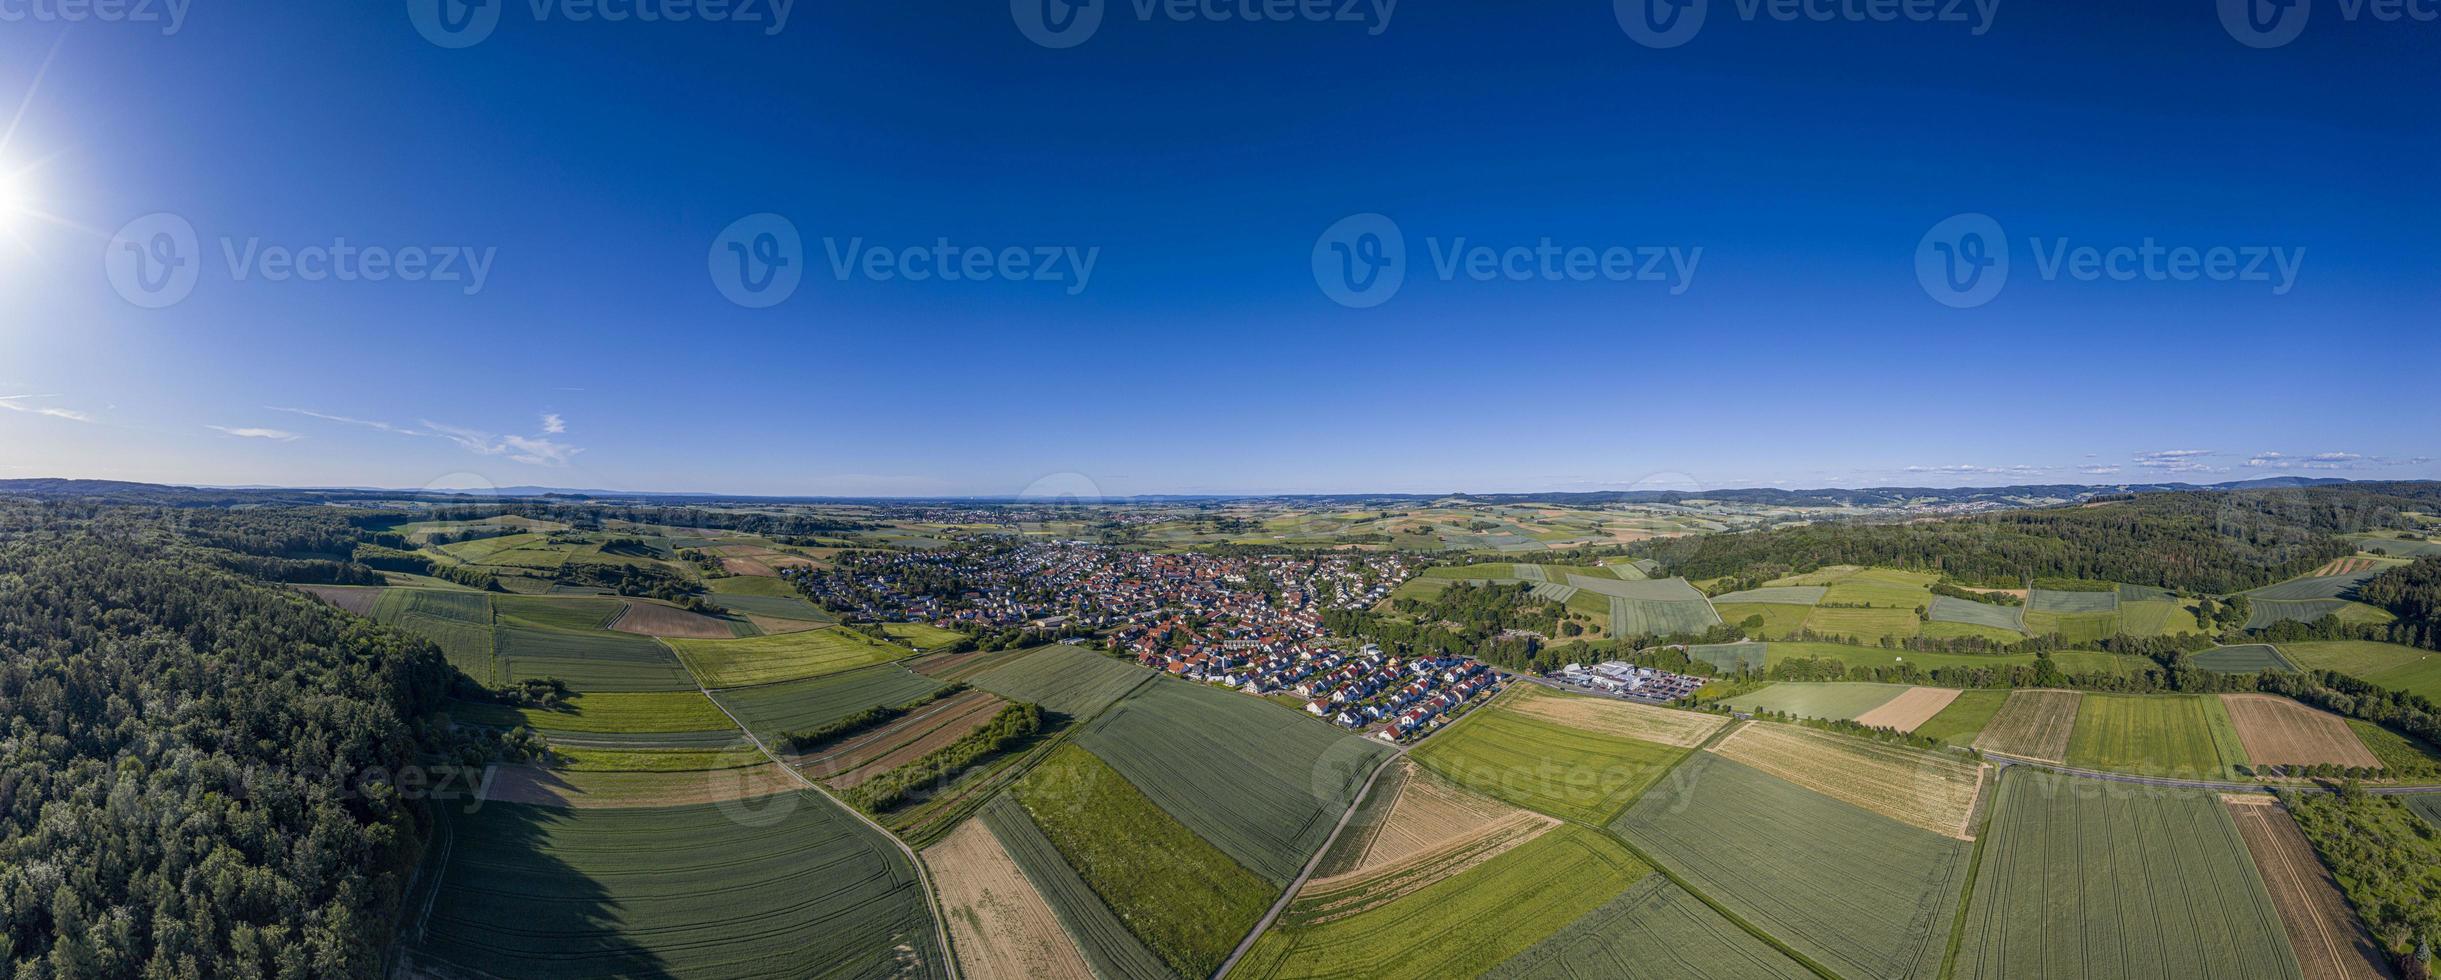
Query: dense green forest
<point x="197" y="775"/>
<point x="2204" y="541"/>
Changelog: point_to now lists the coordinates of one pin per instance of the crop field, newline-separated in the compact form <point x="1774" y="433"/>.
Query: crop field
<point x="2149" y="617"/>
<point x="773" y="607"/>
<point x="1411" y="815"/>
<point x="574" y="613"/>
<point x="620" y="712"/>
<point x="1909" y="710"/>
<point x="2249" y="658"/>
<point x="1779" y="619"/>
<point x="750" y="585"/>
<point x="1105" y="942"/>
<point x="655" y="619"/>
<point x="1832" y="701"/>
<point x="2071" y="661"/>
<point x="2071" y="603"/>
<point x="2143" y="593"/>
<point x="964" y="666"/>
<point x="1865" y="624"/>
<point x="2264" y="612"/>
<point x="1826" y="575"/>
<point x="1555" y="592"/>
<point x="803" y="705"/>
<point x="1920" y="789"/>
<point x="2339" y="586"/>
<point x="1000" y="928"/>
<point x="1861" y="893"/>
<point x="1529" y="573"/>
<point x="1654" y="617"/>
<point x="1784" y="595"/>
<point x="2395" y="750"/>
<point x="2277" y="731"/>
<point x="854" y="761"/>
<point x="785" y="657"/>
<point x="1063" y="679"/>
<point x="922" y="636"/>
<point x="1652" y="931"/>
<point x="2075" y="627"/>
<point x="1964" y="720"/>
<point x="591" y="661"/>
<point x="2188" y="736"/>
<point x="1730" y="658"/>
<point x="2329" y="940"/>
<point x="1460" y="926"/>
<point x="2081" y="879"/>
<point x="534" y="785"/>
<point x="2390" y="665"/>
<point x="460" y="623"/>
<point x="2399" y="547"/>
<point x="1949" y="609"/>
<point x="1263" y="783"/>
<point x="1357" y="893"/>
<point x="1649" y="590"/>
<point x="2033" y="725"/>
<point x="352" y="598"/>
<point x="1626" y="719"/>
<point x="2428" y="806"/>
<point x="577" y="759"/>
<point x="1184" y="898"/>
<point x="1539" y="765"/>
<point x="546" y="892"/>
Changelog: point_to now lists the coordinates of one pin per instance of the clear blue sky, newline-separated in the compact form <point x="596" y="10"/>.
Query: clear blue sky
<point x="597" y="163"/>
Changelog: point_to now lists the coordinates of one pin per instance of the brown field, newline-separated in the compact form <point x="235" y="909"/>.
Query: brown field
<point x="999" y="925"/>
<point x="2279" y="732"/>
<point x="748" y="566"/>
<point x="905" y="740"/>
<point x="1910" y="710"/>
<point x="778" y="560"/>
<point x="1921" y="789"/>
<point x="960" y="666"/>
<point x="548" y="787"/>
<point x="1340" y="896"/>
<point x="1685" y="729"/>
<point x="353" y="599"/>
<point x="2330" y="941"/>
<point x="2033" y="725"/>
<point x="2345" y="566"/>
<point x="654" y="619"/>
<point x="1427" y="817"/>
<point x="770" y="625"/>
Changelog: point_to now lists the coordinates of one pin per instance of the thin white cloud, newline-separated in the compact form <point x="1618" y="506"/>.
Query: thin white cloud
<point x="535" y="450"/>
<point x="344" y="420"/>
<point x="2097" y="470"/>
<point x="2178" y="461"/>
<point x="14" y="403"/>
<point x="2020" y="469"/>
<point x="2274" y="460"/>
<point x="552" y="424"/>
<point x="247" y="432"/>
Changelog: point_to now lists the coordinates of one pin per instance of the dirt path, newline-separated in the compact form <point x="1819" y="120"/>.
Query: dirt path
<point x="1280" y="906"/>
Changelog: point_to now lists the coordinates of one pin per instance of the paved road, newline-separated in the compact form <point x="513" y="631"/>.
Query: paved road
<point x="1316" y="861"/>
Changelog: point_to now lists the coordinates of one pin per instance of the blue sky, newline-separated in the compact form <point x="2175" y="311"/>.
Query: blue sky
<point x="1768" y="186"/>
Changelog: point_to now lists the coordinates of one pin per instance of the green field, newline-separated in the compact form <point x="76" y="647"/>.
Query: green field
<point x="1658" y="617"/>
<point x="922" y="636"/>
<point x="1187" y="901"/>
<point x="2072" y="603"/>
<point x="2076" y="882"/>
<point x="1949" y="609"/>
<point x="2395" y="751"/>
<point x="2152" y="617"/>
<point x="1864" y="624"/>
<point x="751" y="585"/>
<point x="2071" y="661"/>
<point x="1652" y="931"/>
<point x="544" y="892"/>
<point x="1110" y="949"/>
<point x="2317" y="587"/>
<point x="2248" y="658"/>
<point x="781" y="657"/>
<point x="1543" y="766"/>
<point x="2428" y="806"/>
<point x="1459" y="926"/>
<point x="775" y="607"/>
<point x="1779" y="619"/>
<point x="1263" y="783"/>
<point x="596" y="660"/>
<point x="560" y="614"/>
<point x="1861" y="893"/>
<point x="1965" y="717"/>
<point x="460" y="623"/>
<point x="581" y="759"/>
<point x="611" y="712"/>
<point x="2075" y="627"/>
<point x="2182" y="736"/>
<point x="2390" y="665"/>
<point x="1064" y="679"/>
<point x="1838" y="702"/>
<point x="1794" y="595"/>
<point x="1961" y="631"/>
<point x="1729" y="658"/>
<point x="803" y="705"/>
<point x="2262" y="613"/>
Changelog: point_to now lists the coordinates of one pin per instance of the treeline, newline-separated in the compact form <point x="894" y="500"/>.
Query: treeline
<point x="2387" y="859"/>
<point x="869" y="718"/>
<point x="2203" y="541"/>
<point x="2411" y="592"/>
<point x="197" y="773"/>
<point x="1013" y="726"/>
<point x="374" y="556"/>
<point x="592" y="515"/>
